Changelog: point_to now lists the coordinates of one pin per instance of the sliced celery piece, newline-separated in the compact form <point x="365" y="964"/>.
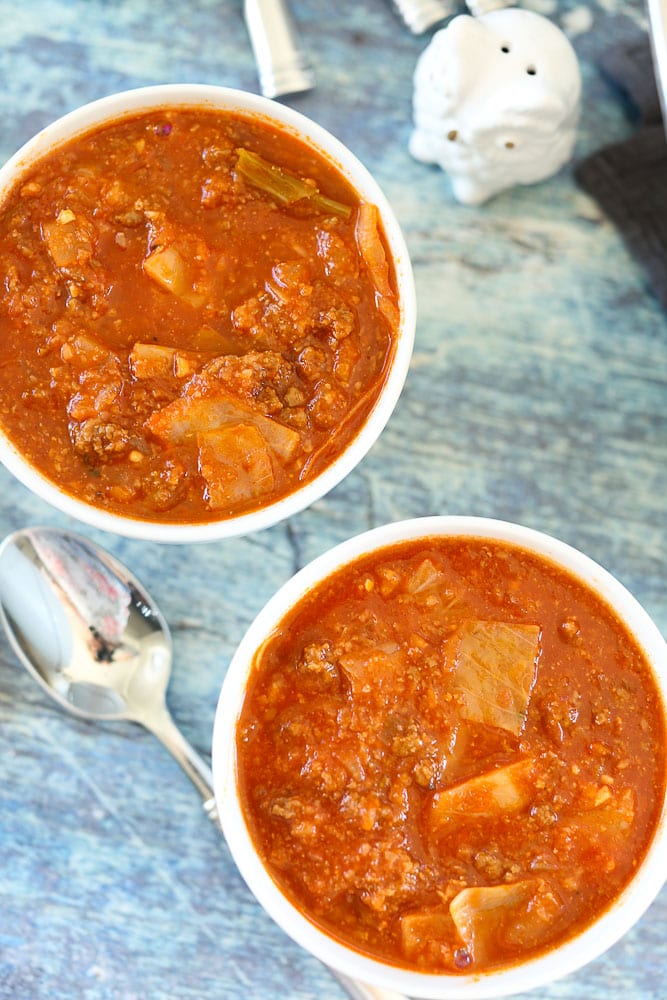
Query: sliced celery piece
<point x="284" y="186"/>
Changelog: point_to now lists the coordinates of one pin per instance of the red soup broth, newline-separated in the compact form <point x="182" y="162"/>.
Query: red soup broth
<point x="199" y="314"/>
<point x="451" y="755"/>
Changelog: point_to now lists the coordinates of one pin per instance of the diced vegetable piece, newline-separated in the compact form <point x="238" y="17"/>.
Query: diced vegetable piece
<point x="368" y="669"/>
<point x="491" y="919"/>
<point x="167" y="267"/>
<point x="426" y="936"/>
<point x="425" y="577"/>
<point x="85" y="351"/>
<point x="600" y="834"/>
<point x="455" y="751"/>
<point x="212" y="341"/>
<point x="98" y="382"/>
<point x="155" y="360"/>
<point x="495" y="670"/>
<point x="190" y="415"/>
<point x="236" y="464"/>
<point x="507" y="789"/>
<point x="171" y="271"/>
<point x="283" y="441"/>
<point x="284" y="186"/>
<point x="68" y="240"/>
<point x="373" y="254"/>
<point x="611" y="819"/>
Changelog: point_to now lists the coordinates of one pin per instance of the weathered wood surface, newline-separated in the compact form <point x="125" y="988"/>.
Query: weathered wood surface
<point x="537" y="393"/>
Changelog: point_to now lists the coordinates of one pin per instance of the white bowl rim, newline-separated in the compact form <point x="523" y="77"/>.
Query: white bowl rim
<point x="117" y="106"/>
<point x="568" y="957"/>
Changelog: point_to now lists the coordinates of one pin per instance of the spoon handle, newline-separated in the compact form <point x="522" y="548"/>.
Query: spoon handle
<point x="164" y="728"/>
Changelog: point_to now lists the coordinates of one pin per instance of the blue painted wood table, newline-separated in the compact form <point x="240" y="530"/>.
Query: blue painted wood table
<point x="537" y="393"/>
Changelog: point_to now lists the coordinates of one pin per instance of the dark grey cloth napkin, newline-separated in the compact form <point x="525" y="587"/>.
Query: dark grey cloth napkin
<point x="629" y="179"/>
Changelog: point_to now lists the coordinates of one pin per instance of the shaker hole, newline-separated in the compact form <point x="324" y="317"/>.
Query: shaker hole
<point x="452" y="135"/>
<point x="531" y="71"/>
<point x="504" y="48"/>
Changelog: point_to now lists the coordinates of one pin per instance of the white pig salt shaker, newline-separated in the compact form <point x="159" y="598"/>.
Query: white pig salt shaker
<point x="496" y="102"/>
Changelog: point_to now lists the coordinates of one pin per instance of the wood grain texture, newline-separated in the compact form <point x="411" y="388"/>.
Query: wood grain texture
<point x="537" y="393"/>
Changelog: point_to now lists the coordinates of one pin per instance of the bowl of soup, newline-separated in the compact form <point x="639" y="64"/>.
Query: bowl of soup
<point x="209" y="312"/>
<point x="439" y="758"/>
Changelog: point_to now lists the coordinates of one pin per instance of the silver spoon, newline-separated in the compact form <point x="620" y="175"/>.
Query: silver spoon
<point x="94" y="639"/>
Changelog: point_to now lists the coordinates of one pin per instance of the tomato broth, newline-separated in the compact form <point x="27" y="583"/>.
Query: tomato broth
<point x="198" y="314"/>
<point x="451" y="755"/>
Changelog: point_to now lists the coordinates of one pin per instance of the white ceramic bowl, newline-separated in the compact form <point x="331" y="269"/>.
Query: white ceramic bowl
<point x="535" y="972"/>
<point x="132" y="102"/>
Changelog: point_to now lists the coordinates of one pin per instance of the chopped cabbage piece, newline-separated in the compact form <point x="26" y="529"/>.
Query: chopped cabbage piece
<point x="69" y="240"/>
<point x="213" y="342"/>
<point x="489" y="919"/>
<point x="156" y="360"/>
<point x="426" y="936"/>
<point x="172" y="271"/>
<point x="372" y="251"/>
<point x="495" y="671"/>
<point x="609" y="821"/>
<point x="191" y="414"/>
<point x="426" y="577"/>
<point x="507" y="789"/>
<point x="369" y="669"/>
<point x="85" y="351"/>
<point x="236" y="464"/>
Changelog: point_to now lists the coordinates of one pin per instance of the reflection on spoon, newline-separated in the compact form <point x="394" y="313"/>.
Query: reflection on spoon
<point x="92" y="637"/>
<point x="95" y="640"/>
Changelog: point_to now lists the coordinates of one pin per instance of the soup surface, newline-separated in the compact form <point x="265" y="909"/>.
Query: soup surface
<point x="198" y="315"/>
<point x="451" y="755"/>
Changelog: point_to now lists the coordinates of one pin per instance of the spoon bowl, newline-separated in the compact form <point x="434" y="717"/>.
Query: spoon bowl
<point x="92" y="636"/>
<point x="94" y="639"/>
<point x="83" y="626"/>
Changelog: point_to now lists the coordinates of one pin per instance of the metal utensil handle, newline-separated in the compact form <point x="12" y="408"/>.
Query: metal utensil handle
<point x="282" y="65"/>
<point x="165" y="729"/>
